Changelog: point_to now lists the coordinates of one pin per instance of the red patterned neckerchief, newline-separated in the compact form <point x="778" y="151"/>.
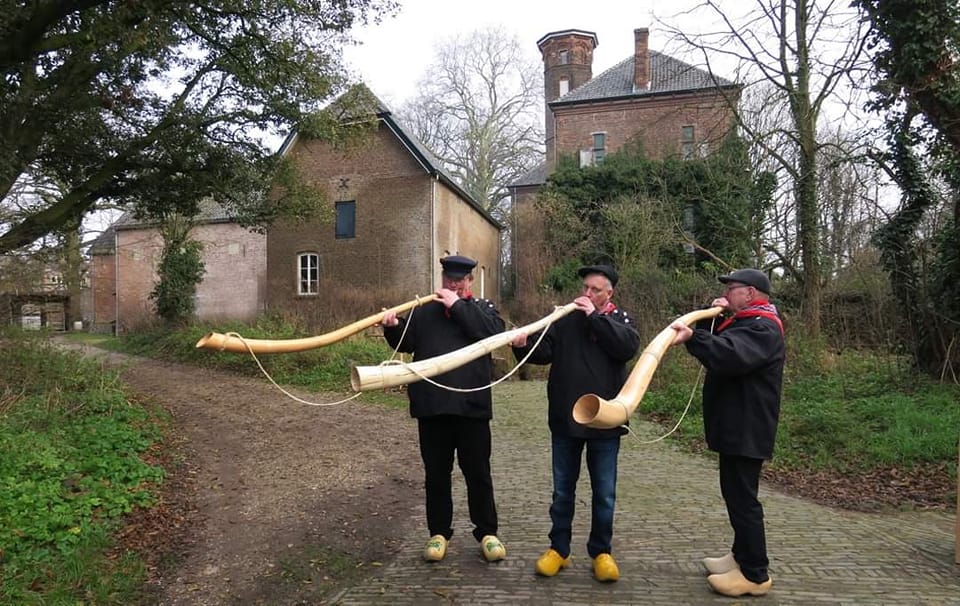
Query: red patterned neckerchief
<point x="607" y="308"/>
<point x="757" y="307"/>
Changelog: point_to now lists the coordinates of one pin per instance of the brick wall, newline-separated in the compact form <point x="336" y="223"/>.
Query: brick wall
<point x="394" y="254"/>
<point x="655" y="123"/>
<point x="232" y="287"/>
<point x="468" y="234"/>
<point x="103" y="288"/>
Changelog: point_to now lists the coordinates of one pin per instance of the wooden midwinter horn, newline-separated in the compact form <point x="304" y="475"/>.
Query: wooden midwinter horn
<point x="222" y="342"/>
<point x="593" y="411"/>
<point x="366" y="378"/>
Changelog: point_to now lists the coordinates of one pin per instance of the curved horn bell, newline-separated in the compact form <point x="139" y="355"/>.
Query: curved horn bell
<point x="593" y="411"/>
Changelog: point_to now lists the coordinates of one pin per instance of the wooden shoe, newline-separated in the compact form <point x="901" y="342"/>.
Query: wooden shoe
<point x="493" y="550"/>
<point x="605" y="568"/>
<point x="436" y="548"/>
<point x="551" y="562"/>
<point x="720" y="565"/>
<point x="732" y="583"/>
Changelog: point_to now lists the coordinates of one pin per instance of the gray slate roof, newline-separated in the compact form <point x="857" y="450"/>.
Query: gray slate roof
<point x="104" y="243"/>
<point x="535" y="176"/>
<point x="209" y="212"/>
<point x="667" y="75"/>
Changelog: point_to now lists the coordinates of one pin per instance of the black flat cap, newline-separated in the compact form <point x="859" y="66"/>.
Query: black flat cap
<point x="606" y="270"/>
<point x="750" y="277"/>
<point x="457" y="266"/>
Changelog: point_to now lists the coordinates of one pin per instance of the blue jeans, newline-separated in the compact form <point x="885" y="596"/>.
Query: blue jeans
<point x="602" y="467"/>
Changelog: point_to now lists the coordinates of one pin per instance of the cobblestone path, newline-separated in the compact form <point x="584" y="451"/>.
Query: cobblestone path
<point x="669" y="515"/>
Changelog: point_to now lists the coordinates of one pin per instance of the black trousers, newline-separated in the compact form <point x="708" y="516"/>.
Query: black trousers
<point x="440" y="438"/>
<point x="739" y="483"/>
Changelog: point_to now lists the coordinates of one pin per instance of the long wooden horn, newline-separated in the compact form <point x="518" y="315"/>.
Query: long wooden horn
<point x="365" y="378"/>
<point x="593" y="411"/>
<point x="222" y="342"/>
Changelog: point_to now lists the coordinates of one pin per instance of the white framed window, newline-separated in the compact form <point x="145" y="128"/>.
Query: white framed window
<point x="308" y="274"/>
<point x="563" y="57"/>
<point x="564" y="86"/>
<point x="687" y="142"/>
<point x="599" y="147"/>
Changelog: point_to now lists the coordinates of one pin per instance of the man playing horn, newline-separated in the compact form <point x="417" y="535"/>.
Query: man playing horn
<point x="744" y="359"/>
<point x="453" y="422"/>
<point x="588" y="353"/>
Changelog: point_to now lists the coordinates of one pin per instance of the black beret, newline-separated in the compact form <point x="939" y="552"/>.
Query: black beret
<point x="750" y="277"/>
<point x="606" y="270"/>
<point x="457" y="266"/>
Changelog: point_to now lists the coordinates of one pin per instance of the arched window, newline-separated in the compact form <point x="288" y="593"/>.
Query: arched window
<point x="308" y="266"/>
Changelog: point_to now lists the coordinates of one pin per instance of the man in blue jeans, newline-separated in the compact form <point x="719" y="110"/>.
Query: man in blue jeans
<point x="588" y="351"/>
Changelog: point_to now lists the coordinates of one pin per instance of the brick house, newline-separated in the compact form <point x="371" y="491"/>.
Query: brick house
<point x="396" y="212"/>
<point x="123" y="270"/>
<point x="649" y="100"/>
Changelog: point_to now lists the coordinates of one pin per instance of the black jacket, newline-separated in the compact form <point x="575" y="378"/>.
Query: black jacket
<point x="587" y="354"/>
<point x="741" y="392"/>
<point x="435" y="332"/>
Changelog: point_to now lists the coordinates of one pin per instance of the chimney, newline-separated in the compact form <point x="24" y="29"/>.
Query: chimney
<point x="641" y="59"/>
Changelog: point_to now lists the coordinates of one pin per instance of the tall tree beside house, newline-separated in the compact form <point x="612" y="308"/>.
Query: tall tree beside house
<point x="478" y="111"/>
<point x="805" y="51"/>
<point x="165" y="102"/>
<point x="179" y="272"/>
<point x="914" y="47"/>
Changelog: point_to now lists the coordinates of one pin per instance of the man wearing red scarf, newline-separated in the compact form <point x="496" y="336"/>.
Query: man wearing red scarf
<point x="453" y="422"/>
<point x="744" y="359"/>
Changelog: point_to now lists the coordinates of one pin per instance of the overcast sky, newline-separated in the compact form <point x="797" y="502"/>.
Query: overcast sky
<point x="395" y="53"/>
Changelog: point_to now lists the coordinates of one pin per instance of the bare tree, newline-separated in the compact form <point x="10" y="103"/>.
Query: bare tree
<point x="479" y="111"/>
<point x="806" y="51"/>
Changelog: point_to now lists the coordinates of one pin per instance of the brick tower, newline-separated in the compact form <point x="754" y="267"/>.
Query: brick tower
<point x="567" y="64"/>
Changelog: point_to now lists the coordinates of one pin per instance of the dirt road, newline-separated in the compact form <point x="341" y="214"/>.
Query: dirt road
<point x="272" y="501"/>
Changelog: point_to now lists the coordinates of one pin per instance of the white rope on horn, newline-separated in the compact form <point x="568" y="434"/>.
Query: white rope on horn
<point x="413" y="370"/>
<point x="693" y="392"/>
<point x="290" y="395"/>
<point x="285" y="392"/>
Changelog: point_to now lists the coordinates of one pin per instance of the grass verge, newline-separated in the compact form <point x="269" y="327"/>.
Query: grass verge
<point x="73" y="464"/>
<point x="867" y="416"/>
